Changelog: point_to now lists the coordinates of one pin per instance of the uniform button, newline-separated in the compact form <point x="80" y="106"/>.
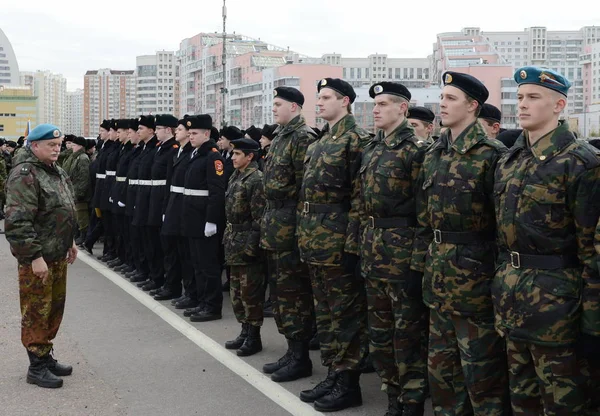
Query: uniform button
<point x="505" y="209"/>
<point x="334" y="137"/>
<point x="542" y="157"/>
<point x="464" y="149"/>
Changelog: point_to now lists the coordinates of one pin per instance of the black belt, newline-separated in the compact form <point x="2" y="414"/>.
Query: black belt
<point x="238" y="227"/>
<point x="393" y="222"/>
<point x="466" y="237"/>
<point x="539" y="261"/>
<point x="280" y="203"/>
<point x="309" y="207"/>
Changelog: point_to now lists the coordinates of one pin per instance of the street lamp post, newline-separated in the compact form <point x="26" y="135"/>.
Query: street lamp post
<point x="224" y="64"/>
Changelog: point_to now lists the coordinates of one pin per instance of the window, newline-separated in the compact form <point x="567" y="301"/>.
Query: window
<point x="419" y="73"/>
<point x="352" y="73"/>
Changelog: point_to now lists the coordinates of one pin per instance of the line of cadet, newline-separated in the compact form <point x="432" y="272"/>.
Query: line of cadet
<point x="466" y="269"/>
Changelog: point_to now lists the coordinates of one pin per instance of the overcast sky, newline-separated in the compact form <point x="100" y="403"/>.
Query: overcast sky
<point x="71" y="37"/>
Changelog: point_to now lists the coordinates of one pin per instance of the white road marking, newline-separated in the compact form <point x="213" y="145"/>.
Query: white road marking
<point x="258" y="380"/>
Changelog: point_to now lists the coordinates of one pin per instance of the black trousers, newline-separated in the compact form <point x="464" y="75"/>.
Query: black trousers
<point x="172" y="263"/>
<point x="154" y="254"/>
<point x="207" y="271"/>
<point x="136" y="235"/>
<point x="109" y="232"/>
<point x="187" y="271"/>
<point x="123" y="239"/>
<point x="95" y="229"/>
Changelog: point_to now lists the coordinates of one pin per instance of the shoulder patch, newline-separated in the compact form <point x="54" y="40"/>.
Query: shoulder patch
<point x="214" y="150"/>
<point x="219" y="169"/>
<point x="24" y="170"/>
<point x="175" y="146"/>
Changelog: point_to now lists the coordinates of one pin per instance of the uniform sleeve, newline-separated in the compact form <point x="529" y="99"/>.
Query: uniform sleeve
<point x="3" y="176"/>
<point x="256" y="195"/>
<point x="170" y="162"/>
<point x="215" y="179"/>
<point x="423" y="232"/>
<point x="298" y="153"/>
<point x="81" y="178"/>
<point x="357" y="146"/>
<point x="21" y="209"/>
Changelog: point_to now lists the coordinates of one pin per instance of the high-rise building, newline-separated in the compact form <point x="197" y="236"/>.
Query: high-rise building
<point x="107" y="94"/>
<point x="74" y="113"/>
<point x="51" y="92"/>
<point x="17" y="108"/>
<point x="9" y="67"/>
<point x="157" y="77"/>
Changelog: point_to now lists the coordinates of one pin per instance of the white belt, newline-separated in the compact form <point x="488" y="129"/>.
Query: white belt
<point x="121" y="178"/>
<point x="111" y="173"/>
<point x="133" y="182"/>
<point x="195" y="192"/>
<point x="177" y="189"/>
<point x="159" y="182"/>
<point x="100" y="176"/>
<point x="145" y="182"/>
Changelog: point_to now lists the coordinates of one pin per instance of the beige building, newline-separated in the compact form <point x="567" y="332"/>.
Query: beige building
<point x="17" y="107"/>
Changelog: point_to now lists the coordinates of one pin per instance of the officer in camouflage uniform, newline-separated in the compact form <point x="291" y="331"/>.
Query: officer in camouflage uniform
<point x="547" y="195"/>
<point x="40" y="226"/>
<point x="328" y="234"/>
<point x="290" y="282"/>
<point x="466" y="362"/>
<point x="244" y="207"/>
<point x="398" y="318"/>
<point x="3" y="176"/>
<point x="77" y="167"/>
<point x="421" y="119"/>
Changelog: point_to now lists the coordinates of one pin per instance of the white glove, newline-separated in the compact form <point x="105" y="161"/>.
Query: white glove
<point x="163" y="217"/>
<point x="110" y="199"/>
<point x="122" y="205"/>
<point x="210" y="229"/>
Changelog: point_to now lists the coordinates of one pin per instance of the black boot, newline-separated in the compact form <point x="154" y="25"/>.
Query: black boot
<point x="239" y="340"/>
<point x="39" y="374"/>
<point x="394" y="406"/>
<point x="345" y="393"/>
<point x="413" y="409"/>
<point x="252" y="344"/>
<point x="270" y="368"/>
<point x="314" y="344"/>
<point x="299" y="365"/>
<point x="268" y="309"/>
<point x="58" y="369"/>
<point x="321" y="389"/>
<point x="192" y="311"/>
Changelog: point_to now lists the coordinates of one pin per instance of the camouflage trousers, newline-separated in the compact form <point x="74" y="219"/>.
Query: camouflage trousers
<point x="544" y="380"/>
<point x="341" y="315"/>
<point x="291" y="295"/>
<point x="398" y="332"/>
<point x="467" y="367"/>
<point x="82" y="214"/>
<point x="247" y="293"/>
<point x="42" y="306"/>
<point x="591" y="373"/>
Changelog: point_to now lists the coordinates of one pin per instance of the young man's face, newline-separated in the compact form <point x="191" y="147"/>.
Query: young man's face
<point x="537" y="106"/>
<point x="454" y="106"/>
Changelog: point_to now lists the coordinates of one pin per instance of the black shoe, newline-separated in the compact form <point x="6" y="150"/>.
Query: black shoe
<point x="239" y="340"/>
<point x="144" y="283"/>
<point x="394" y="406"/>
<point x="270" y="368"/>
<point x="187" y="304"/>
<point x="193" y="311"/>
<point x="344" y="394"/>
<point x="133" y="274"/>
<point x="206" y="315"/>
<point x="150" y="286"/>
<point x="299" y="365"/>
<point x="320" y="390"/>
<point x="138" y="278"/>
<point x="60" y="370"/>
<point x="120" y="268"/>
<point x="252" y="344"/>
<point x="314" y="344"/>
<point x="79" y="241"/>
<point x="115" y="263"/>
<point x="226" y="286"/>
<point x="165" y="295"/>
<point x="268" y="309"/>
<point x="413" y="409"/>
<point x="39" y="374"/>
<point x="109" y="258"/>
<point x="128" y="269"/>
<point x="102" y="257"/>
<point x="179" y="299"/>
<point x="155" y="292"/>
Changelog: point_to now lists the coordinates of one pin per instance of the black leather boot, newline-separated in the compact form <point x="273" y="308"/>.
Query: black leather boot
<point x="192" y="311"/>
<point x="314" y="344"/>
<point x="252" y="344"/>
<point x="321" y="389"/>
<point x="39" y="374"/>
<point x="394" y="406"/>
<point x="270" y="368"/>
<point x="413" y="409"/>
<point x="299" y="365"/>
<point x="239" y="340"/>
<point x="58" y="369"/>
<point x="344" y="394"/>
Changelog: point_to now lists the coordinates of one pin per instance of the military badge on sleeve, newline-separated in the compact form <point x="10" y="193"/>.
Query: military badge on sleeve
<point x="219" y="167"/>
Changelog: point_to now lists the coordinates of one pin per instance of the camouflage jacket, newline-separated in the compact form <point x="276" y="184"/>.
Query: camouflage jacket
<point x="3" y="177"/>
<point x="330" y="180"/>
<point x="456" y="196"/>
<point x="548" y="203"/>
<point x="63" y="156"/>
<point x="282" y="182"/>
<point x="244" y="207"/>
<point x="77" y="166"/>
<point x="388" y="175"/>
<point x="40" y="211"/>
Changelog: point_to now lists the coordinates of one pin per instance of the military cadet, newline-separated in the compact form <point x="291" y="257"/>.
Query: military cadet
<point x="244" y="207"/>
<point x="466" y="361"/>
<point x="3" y="177"/>
<point x="228" y="134"/>
<point x="203" y="217"/>
<point x="77" y="167"/>
<point x="40" y="227"/>
<point x="398" y="318"/>
<point x="254" y="133"/>
<point x="172" y="231"/>
<point x="421" y="119"/>
<point x="490" y="118"/>
<point x="67" y="147"/>
<point x="545" y="291"/>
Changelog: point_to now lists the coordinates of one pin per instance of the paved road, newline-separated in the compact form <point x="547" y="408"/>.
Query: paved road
<point x="135" y="356"/>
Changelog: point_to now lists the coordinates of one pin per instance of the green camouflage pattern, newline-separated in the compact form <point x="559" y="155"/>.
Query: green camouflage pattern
<point x="456" y="195"/>
<point x="547" y="203"/>
<point x="388" y="176"/>
<point x="283" y="173"/>
<point x="40" y="211"/>
<point x="42" y="306"/>
<point x="330" y="177"/>
<point x="467" y="367"/>
<point x="244" y="205"/>
<point x="77" y="167"/>
<point x="64" y="156"/>
<point x="247" y="293"/>
<point x="3" y="177"/>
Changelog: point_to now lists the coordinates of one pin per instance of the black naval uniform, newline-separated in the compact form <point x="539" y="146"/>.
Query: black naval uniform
<point x="98" y="191"/>
<point x="135" y="232"/>
<point x="112" y="158"/>
<point x="119" y="198"/>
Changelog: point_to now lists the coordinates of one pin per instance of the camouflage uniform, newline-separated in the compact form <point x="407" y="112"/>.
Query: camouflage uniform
<point x="547" y="199"/>
<point x="77" y="166"/>
<point x="290" y="282"/>
<point x="466" y="363"/>
<point x="398" y="318"/>
<point x="329" y="227"/>
<point x="63" y="156"/>
<point x="244" y="207"/>
<point x="40" y="222"/>
<point x="3" y="177"/>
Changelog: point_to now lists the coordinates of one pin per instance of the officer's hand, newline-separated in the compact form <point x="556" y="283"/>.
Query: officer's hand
<point x="40" y="269"/>
<point x="350" y="262"/>
<point x="210" y="229"/>
<point x="72" y="254"/>
<point x="120" y="204"/>
<point x="110" y="199"/>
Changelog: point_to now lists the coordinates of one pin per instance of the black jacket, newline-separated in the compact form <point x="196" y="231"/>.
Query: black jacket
<point x="176" y="182"/>
<point x="119" y="189"/>
<point x="132" y="177"/>
<point x="112" y="159"/>
<point x="142" y="199"/>
<point x="100" y="170"/>
<point x="163" y="160"/>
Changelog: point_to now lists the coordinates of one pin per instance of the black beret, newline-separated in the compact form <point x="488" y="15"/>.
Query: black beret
<point x="468" y="84"/>
<point x="122" y="124"/>
<point x="12" y="144"/>
<point x="254" y="132"/>
<point x="509" y="137"/>
<point x="113" y="123"/>
<point x="214" y="133"/>
<point x="338" y="85"/>
<point x="232" y="133"/>
<point x="387" y="87"/>
<point x="81" y="141"/>
<point x="147" y="121"/>
<point x="290" y="94"/>
<point x="421" y="113"/>
<point x="490" y="112"/>
<point x="166" y="120"/>
<point x="200" y="122"/>
<point x="105" y="124"/>
<point x="244" y="144"/>
<point x="69" y="137"/>
<point x="90" y="143"/>
<point x="134" y="124"/>
<point x="268" y="131"/>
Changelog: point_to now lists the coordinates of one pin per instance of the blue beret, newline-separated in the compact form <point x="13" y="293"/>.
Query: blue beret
<point x="543" y="77"/>
<point x="468" y="84"/>
<point x="44" y="132"/>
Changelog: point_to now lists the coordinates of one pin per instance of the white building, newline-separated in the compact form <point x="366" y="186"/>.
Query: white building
<point x="51" y="90"/>
<point x="157" y="80"/>
<point x="74" y="113"/>
<point x="9" y="67"/>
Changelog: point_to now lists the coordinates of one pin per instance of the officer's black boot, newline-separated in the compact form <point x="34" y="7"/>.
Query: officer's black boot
<point x="270" y="368"/>
<point x="58" y="369"/>
<point x="299" y="365"/>
<point x="321" y="389"/>
<point x="252" y="344"/>
<point x="394" y="406"/>
<point x="314" y="344"/>
<point x="345" y="393"/>
<point x="239" y="340"/>
<point x="39" y="374"/>
<point x="413" y="409"/>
